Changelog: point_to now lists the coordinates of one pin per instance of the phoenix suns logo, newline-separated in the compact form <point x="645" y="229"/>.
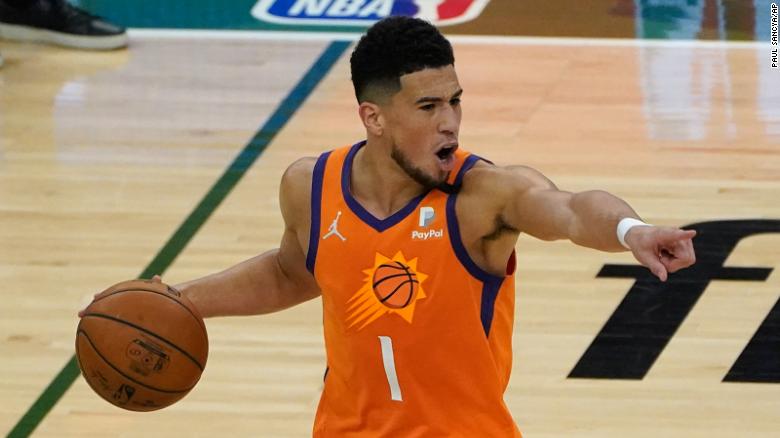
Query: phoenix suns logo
<point x="392" y="285"/>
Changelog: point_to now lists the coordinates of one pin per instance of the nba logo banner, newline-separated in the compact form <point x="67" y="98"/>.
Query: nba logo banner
<point x="365" y="12"/>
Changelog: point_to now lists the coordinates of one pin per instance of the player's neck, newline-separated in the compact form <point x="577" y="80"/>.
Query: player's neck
<point x="379" y="184"/>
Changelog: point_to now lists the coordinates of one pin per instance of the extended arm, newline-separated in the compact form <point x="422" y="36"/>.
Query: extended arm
<point x="535" y="206"/>
<point x="274" y="280"/>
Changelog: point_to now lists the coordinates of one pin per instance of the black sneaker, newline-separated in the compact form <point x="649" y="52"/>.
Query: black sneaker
<point x="58" y="22"/>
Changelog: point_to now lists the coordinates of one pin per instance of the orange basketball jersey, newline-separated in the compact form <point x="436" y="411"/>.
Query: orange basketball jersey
<point x="418" y="337"/>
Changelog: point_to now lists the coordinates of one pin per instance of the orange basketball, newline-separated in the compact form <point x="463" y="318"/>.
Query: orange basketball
<point x="395" y="285"/>
<point x="141" y="345"/>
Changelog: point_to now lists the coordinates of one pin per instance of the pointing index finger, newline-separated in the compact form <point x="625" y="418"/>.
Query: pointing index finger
<point x="677" y="235"/>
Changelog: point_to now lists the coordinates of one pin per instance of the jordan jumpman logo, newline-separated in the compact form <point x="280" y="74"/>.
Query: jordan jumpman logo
<point x="333" y="229"/>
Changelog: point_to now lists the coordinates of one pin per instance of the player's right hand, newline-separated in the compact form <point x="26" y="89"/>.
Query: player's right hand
<point x="663" y="250"/>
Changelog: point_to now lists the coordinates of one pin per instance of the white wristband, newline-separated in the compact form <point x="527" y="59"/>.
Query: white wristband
<point x="626" y="224"/>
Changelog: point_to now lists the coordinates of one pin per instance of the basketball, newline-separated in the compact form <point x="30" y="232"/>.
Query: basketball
<point x="141" y="345"/>
<point x="395" y="285"/>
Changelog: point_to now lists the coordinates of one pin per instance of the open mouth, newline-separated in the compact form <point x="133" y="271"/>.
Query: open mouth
<point x="446" y="152"/>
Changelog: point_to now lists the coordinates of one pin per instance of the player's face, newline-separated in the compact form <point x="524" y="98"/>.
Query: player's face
<point x="423" y="120"/>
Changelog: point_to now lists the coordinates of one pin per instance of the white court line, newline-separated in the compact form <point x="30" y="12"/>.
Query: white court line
<point x="614" y="42"/>
<point x="240" y="35"/>
<point x="136" y="33"/>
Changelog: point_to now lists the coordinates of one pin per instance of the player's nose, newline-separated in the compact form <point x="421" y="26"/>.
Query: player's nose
<point x="450" y="121"/>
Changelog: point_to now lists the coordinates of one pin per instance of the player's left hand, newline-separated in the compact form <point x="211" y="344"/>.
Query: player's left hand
<point x="663" y="250"/>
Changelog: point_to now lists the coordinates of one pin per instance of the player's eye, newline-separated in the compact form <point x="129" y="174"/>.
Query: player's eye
<point x="428" y="107"/>
<point x="455" y="101"/>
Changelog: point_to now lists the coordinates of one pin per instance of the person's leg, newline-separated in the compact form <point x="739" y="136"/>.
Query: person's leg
<point x="57" y="22"/>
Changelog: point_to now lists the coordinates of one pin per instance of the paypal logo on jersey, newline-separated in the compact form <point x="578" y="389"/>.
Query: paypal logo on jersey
<point x="430" y="234"/>
<point x="365" y="12"/>
<point x="426" y="216"/>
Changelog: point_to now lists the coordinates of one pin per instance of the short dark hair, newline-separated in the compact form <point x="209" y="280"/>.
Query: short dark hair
<point x="391" y="48"/>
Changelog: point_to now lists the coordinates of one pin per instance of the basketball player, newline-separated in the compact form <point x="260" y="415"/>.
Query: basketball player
<point x="431" y="355"/>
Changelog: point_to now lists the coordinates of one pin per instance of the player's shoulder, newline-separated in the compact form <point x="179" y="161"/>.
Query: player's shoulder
<point x="298" y="175"/>
<point x="486" y="178"/>
<point x="300" y="168"/>
<point x="295" y="187"/>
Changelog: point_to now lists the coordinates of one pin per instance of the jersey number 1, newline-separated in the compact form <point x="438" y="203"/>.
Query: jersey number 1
<point x="388" y="361"/>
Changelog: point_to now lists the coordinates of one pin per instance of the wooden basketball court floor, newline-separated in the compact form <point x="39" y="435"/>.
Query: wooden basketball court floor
<point x="104" y="155"/>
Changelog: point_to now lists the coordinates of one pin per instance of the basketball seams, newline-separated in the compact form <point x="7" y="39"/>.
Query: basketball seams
<point x="411" y="294"/>
<point x="412" y="279"/>
<point x="405" y="274"/>
<point x="81" y="367"/>
<point x="198" y="318"/>
<point x="396" y="290"/>
<point x="390" y="295"/>
<point x="92" y="344"/>
<point x="168" y="389"/>
<point x="148" y="332"/>
<point x="400" y="268"/>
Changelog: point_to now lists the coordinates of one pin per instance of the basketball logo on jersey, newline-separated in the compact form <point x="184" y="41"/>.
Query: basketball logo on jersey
<point x="392" y="285"/>
<point x="365" y="12"/>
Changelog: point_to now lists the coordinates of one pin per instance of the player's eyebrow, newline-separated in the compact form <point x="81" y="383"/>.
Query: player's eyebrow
<point x="429" y="99"/>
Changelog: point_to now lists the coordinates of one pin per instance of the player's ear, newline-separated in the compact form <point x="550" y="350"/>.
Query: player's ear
<point x="371" y="115"/>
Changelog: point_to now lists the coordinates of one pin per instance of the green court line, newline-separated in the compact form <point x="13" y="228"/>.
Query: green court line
<point x="181" y="237"/>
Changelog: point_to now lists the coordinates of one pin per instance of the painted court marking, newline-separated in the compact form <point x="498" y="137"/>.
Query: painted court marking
<point x="182" y="236"/>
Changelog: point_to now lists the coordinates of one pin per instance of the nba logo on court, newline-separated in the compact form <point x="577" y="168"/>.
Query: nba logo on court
<point x="365" y="12"/>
